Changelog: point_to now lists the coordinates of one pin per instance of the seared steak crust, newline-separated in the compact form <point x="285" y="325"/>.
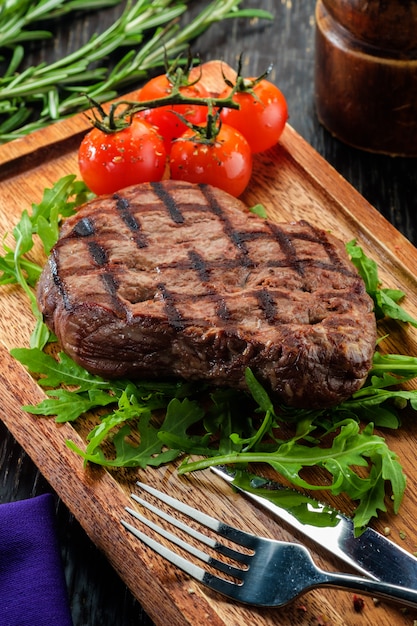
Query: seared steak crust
<point x="173" y="279"/>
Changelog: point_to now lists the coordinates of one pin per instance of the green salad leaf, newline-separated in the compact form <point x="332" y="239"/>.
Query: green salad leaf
<point x="44" y="221"/>
<point x="386" y="301"/>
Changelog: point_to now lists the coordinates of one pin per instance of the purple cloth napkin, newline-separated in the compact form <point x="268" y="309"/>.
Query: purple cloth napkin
<point x="32" y="583"/>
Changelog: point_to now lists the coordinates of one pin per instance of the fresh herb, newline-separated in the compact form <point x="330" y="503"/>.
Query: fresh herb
<point x="17" y="17"/>
<point x="259" y="210"/>
<point x="386" y="301"/>
<point x="155" y="422"/>
<point x="44" y="221"/>
<point x="49" y="92"/>
<point x="232" y="428"/>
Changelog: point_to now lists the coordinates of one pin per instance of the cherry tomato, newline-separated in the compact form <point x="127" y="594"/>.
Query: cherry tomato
<point x="226" y="163"/>
<point x="109" y="162"/>
<point x="164" y="118"/>
<point x="262" y="115"/>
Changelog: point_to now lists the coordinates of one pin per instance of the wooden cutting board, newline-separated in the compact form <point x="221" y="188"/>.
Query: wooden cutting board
<point x="293" y="182"/>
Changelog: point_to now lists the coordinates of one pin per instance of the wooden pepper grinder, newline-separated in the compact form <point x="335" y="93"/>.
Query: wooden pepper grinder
<point x="366" y="73"/>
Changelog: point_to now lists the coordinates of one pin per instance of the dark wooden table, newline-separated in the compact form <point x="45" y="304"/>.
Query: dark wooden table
<point x="98" y="597"/>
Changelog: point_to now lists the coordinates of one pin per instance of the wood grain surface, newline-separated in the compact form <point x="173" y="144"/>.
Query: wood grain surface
<point x="97" y="595"/>
<point x="293" y="183"/>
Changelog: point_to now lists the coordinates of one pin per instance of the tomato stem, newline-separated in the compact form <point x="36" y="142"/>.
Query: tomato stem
<point x="121" y="112"/>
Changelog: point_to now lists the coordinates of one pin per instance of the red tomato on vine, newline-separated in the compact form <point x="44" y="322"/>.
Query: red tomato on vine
<point x="165" y="118"/>
<point x="110" y="161"/>
<point x="225" y="161"/>
<point x="262" y="115"/>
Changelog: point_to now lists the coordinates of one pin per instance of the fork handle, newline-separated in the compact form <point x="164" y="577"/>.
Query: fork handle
<point x="375" y="588"/>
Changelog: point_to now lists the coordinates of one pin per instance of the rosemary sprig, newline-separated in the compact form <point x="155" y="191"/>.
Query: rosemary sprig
<point x="39" y="95"/>
<point x="17" y="15"/>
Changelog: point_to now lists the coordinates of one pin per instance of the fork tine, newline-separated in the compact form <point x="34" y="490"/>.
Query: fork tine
<point x="208" y="541"/>
<point x="187" y="566"/>
<point x="168" y="535"/>
<point x="229" y="532"/>
<point x="173" y="521"/>
<point x="203" y="556"/>
<point x="198" y="516"/>
<point x="216" y="583"/>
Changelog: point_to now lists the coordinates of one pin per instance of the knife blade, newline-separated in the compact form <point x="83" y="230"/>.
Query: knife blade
<point x="370" y="553"/>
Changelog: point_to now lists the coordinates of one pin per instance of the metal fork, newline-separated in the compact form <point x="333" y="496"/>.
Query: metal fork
<point x="264" y="572"/>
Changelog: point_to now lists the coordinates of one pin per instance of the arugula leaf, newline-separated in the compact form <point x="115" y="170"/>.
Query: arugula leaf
<point x="366" y="267"/>
<point x="384" y="468"/>
<point x="180" y="415"/>
<point x="304" y="508"/>
<point x="259" y="210"/>
<point x="350" y="449"/>
<point x="225" y="431"/>
<point x="385" y="300"/>
<point x="67" y="406"/>
<point x="58" y="202"/>
<point x="227" y="423"/>
<point x="261" y="397"/>
<point x="148" y="452"/>
<point x="56" y="372"/>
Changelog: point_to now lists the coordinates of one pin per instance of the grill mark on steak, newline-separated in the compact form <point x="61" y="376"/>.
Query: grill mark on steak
<point x="84" y="228"/>
<point x="174" y="279"/>
<point x="267" y="305"/>
<point x="203" y="271"/>
<point x="173" y="315"/>
<point x="169" y="202"/>
<point x="318" y="236"/>
<point x="99" y="256"/>
<point x="288" y="248"/>
<point x="111" y="286"/>
<point x="54" y="269"/>
<point x="97" y="253"/>
<point x="125" y="211"/>
<point x="199" y="265"/>
<point x="234" y="235"/>
<point x="221" y="309"/>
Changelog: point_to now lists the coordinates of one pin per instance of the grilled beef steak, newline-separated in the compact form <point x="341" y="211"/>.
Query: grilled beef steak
<point x="178" y="280"/>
